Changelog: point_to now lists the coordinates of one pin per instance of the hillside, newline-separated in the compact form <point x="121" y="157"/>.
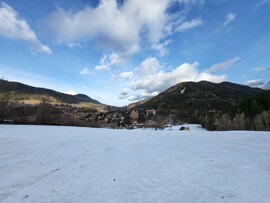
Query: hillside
<point x="256" y="104"/>
<point x="138" y="103"/>
<point x="24" y="104"/>
<point x="189" y="100"/>
<point x="21" y="91"/>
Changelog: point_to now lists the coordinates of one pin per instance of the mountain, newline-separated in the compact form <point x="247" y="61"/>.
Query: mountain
<point x="189" y="100"/>
<point x="86" y="98"/>
<point x="220" y="106"/>
<point x="21" y="91"/>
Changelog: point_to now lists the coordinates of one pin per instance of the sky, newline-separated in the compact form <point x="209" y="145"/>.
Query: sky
<point x="122" y="51"/>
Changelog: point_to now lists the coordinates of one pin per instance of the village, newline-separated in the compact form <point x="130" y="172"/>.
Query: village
<point x="128" y="119"/>
<point x="46" y="113"/>
<point x="132" y="119"/>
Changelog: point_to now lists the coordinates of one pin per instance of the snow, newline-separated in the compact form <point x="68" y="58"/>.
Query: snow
<point x="69" y="164"/>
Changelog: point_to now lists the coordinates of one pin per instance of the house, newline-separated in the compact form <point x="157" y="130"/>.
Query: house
<point x="134" y="116"/>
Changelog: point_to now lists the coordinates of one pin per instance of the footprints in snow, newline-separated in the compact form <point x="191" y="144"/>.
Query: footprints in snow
<point x="55" y="170"/>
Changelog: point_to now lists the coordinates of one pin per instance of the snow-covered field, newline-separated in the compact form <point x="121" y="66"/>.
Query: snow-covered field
<point x="68" y="164"/>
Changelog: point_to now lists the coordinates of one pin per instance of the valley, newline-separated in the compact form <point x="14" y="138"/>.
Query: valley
<point x="216" y="106"/>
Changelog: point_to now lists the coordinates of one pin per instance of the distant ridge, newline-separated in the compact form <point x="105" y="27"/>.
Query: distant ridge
<point x="24" y="92"/>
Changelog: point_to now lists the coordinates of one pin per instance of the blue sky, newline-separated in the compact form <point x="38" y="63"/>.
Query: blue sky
<point x="123" y="51"/>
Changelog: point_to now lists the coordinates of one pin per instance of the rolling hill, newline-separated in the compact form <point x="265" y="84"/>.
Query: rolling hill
<point x="21" y="91"/>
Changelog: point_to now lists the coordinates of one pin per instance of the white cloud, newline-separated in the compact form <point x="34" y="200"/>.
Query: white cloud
<point x="225" y="26"/>
<point x="261" y="69"/>
<point x="141" y="95"/>
<point x="112" y="26"/>
<point x="71" y="92"/>
<point x="74" y="45"/>
<point x="14" y="27"/>
<point x="230" y="17"/>
<point x="262" y="3"/>
<point x="149" y="66"/>
<point x="161" y="47"/>
<point x="102" y="68"/>
<point x="116" y="59"/>
<point x="188" y="25"/>
<point x="200" y="2"/>
<point x="254" y="83"/>
<point x="85" y="72"/>
<point x="112" y="59"/>
<point x="222" y="66"/>
<point x="123" y="76"/>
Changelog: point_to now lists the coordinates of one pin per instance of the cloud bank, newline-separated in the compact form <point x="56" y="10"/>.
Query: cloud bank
<point x="122" y="29"/>
<point x="110" y="25"/>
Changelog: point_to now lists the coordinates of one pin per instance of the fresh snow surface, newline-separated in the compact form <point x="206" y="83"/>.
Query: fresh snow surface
<point x="69" y="164"/>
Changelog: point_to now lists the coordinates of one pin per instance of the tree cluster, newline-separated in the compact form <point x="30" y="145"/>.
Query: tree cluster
<point x="252" y="114"/>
